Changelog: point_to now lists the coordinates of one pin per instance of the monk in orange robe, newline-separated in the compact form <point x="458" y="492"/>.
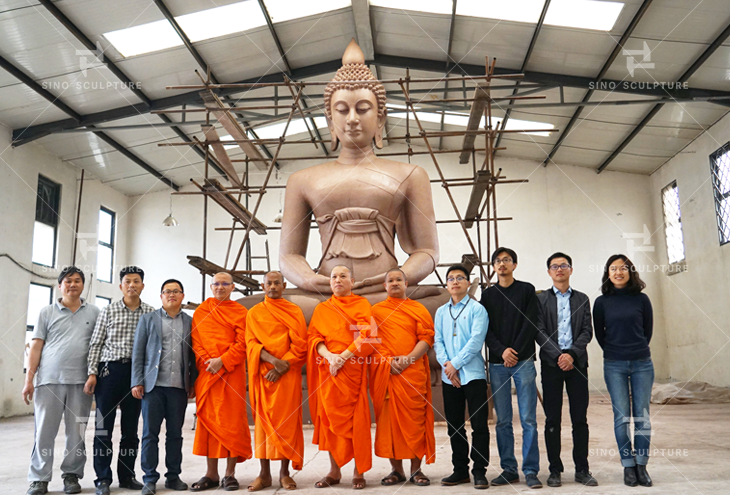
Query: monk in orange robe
<point x="276" y="343"/>
<point x="219" y="343"/>
<point x="400" y="385"/>
<point x="339" y="344"/>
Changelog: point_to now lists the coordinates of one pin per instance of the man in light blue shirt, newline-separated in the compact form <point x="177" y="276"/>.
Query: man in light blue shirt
<point x="461" y="326"/>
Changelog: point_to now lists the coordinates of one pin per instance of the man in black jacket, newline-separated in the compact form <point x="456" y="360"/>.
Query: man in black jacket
<point x="563" y="332"/>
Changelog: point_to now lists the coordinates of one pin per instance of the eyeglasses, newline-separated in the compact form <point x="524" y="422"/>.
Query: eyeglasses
<point x="171" y="292"/>
<point x="564" y="266"/>
<point x="504" y="261"/>
<point x="220" y="284"/>
<point x="451" y="280"/>
<point x="622" y="268"/>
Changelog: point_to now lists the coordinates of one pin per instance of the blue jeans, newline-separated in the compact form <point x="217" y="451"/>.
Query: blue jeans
<point x="629" y="384"/>
<point x="160" y="403"/>
<point x="524" y="375"/>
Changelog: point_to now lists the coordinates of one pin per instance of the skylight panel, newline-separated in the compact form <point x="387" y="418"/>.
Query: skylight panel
<point x="145" y="38"/>
<point x="584" y="14"/>
<point x="431" y="6"/>
<point x="462" y="119"/>
<point x="513" y="10"/>
<point x="286" y="10"/>
<point x="221" y="21"/>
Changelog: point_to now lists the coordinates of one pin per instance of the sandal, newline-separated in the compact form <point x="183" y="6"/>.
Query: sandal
<point x="288" y="483"/>
<point x="358" y="483"/>
<point x="419" y="479"/>
<point x="325" y="482"/>
<point x="394" y="478"/>
<point x="258" y="484"/>
<point x="230" y="483"/>
<point x="204" y="483"/>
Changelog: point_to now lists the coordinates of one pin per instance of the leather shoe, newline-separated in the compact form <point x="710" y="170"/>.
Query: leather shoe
<point x="480" y="481"/>
<point x="455" y="479"/>
<point x="554" y="480"/>
<point x="176" y="484"/>
<point x="149" y="489"/>
<point x="102" y="487"/>
<point x="130" y="484"/>
<point x="71" y="484"/>
<point x="586" y="478"/>
<point x="630" y="476"/>
<point x="642" y="476"/>
<point x="532" y="481"/>
<point x="506" y="478"/>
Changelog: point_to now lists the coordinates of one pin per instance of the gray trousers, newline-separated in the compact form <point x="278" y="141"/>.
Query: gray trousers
<point x="51" y="402"/>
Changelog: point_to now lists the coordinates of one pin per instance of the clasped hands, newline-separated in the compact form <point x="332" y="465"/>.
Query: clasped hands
<point x="565" y="362"/>
<point x="336" y="362"/>
<point x="452" y="374"/>
<point x="398" y="364"/>
<point x="281" y="366"/>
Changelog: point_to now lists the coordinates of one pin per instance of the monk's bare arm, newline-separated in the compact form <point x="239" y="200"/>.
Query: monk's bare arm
<point x="280" y="365"/>
<point x="294" y="240"/>
<point x="416" y="228"/>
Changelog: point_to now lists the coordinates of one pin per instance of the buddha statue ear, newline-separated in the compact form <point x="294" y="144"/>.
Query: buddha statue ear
<point x="378" y="138"/>
<point x="335" y="142"/>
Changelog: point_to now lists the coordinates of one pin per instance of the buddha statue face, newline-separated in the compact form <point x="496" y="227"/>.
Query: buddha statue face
<point x="355" y="119"/>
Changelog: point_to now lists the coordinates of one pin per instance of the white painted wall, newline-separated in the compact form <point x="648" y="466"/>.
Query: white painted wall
<point x="19" y="170"/>
<point x="695" y="302"/>
<point x="562" y="208"/>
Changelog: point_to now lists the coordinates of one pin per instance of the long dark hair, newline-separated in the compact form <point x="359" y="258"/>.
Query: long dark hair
<point x="634" y="285"/>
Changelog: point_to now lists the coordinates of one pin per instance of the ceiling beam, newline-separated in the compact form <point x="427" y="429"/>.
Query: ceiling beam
<point x="683" y="78"/>
<point x="606" y="66"/>
<point x="530" y="48"/>
<point x="363" y="27"/>
<point x="24" y="135"/>
<point x="448" y="65"/>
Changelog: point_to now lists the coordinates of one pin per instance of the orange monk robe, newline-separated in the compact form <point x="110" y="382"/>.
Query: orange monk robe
<point x="402" y="403"/>
<point x="278" y="326"/>
<point x="219" y="330"/>
<point x="339" y="404"/>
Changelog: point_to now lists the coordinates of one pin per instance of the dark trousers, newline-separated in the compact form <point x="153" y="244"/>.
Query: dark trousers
<point x="576" y="384"/>
<point x="473" y="394"/>
<point x="166" y="403"/>
<point x="114" y="389"/>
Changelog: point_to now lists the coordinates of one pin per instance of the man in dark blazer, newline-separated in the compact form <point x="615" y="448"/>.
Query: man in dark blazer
<point x="564" y="330"/>
<point x="163" y="374"/>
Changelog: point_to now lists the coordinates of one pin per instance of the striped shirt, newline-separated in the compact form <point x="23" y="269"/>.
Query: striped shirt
<point x="113" y="336"/>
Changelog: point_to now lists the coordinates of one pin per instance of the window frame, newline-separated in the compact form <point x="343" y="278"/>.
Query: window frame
<point x="679" y="265"/>
<point x="46" y="182"/>
<point x="716" y="194"/>
<point x="30" y="328"/>
<point x="109" y="299"/>
<point x="109" y="245"/>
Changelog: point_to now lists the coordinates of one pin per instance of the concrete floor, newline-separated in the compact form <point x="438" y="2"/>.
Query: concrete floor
<point x="691" y="455"/>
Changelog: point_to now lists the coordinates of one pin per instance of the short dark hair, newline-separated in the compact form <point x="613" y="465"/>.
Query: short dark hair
<point x="559" y="255"/>
<point x="500" y="250"/>
<point x="457" y="267"/>
<point x="396" y="269"/>
<point x="70" y="270"/>
<point x="172" y="281"/>
<point x="129" y="270"/>
<point x="633" y="286"/>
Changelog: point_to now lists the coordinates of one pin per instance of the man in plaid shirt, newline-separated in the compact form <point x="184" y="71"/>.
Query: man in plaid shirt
<point x="110" y="377"/>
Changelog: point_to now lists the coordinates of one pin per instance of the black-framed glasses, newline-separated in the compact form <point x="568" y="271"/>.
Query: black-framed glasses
<point x="174" y="292"/>
<point x="564" y="266"/>
<point x="503" y="261"/>
<point x="459" y="279"/>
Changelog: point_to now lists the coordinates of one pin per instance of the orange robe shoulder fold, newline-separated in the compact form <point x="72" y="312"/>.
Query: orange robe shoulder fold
<point x="402" y="403"/>
<point x="339" y="404"/>
<point x="277" y="326"/>
<point x="219" y="330"/>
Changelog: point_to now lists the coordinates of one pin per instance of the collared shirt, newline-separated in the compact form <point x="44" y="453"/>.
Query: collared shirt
<point x="113" y="336"/>
<point x="171" y="368"/>
<point x="66" y="335"/>
<point x="460" y="332"/>
<point x="565" y="333"/>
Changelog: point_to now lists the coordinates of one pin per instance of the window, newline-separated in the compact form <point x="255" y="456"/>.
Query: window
<point x="39" y="297"/>
<point x="673" y="223"/>
<point x="720" y="167"/>
<point x="105" y="253"/>
<point x="103" y="302"/>
<point x="46" y="222"/>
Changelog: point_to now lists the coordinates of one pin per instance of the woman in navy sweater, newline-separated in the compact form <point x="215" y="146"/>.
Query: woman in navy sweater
<point x="622" y="318"/>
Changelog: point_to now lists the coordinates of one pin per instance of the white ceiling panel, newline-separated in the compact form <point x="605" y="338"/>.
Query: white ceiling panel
<point x="71" y="146"/>
<point x="140" y="184"/>
<point x="715" y="72"/>
<point x="20" y="106"/>
<point x="573" y="52"/>
<point x="579" y="156"/>
<point x="643" y="165"/>
<point x="689" y="21"/>
<point x="155" y="71"/>
<point x="475" y="39"/>
<point x="410" y="34"/>
<point x="666" y="62"/>
<point x="316" y="39"/>
<point x="242" y="55"/>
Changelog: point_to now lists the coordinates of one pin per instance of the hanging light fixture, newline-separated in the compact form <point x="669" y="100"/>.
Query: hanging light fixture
<point x="170" y="221"/>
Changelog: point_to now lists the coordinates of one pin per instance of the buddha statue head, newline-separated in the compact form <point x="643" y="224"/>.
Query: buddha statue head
<point x="354" y="103"/>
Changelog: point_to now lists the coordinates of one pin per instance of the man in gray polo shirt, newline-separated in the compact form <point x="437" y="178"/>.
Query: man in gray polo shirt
<point x="58" y="360"/>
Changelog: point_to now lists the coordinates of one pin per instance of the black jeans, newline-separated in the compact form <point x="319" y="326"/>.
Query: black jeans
<point x="473" y="394"/>
<point x="112" y="390"/>
<point x="576" y="384"/>
<point x="166" y="403"/>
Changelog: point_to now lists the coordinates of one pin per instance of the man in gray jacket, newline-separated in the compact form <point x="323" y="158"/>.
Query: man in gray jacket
<point x="563" y="331"/>
<point x="163" y="373"/>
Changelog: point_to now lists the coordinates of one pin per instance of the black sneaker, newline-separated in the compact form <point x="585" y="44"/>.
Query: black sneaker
<point x="455" y="479"/>
<point x="480" y="481"/>
<point x="71" y="483"/>
<point x="149" y="489"/>
<point x="102" y="487"/>
<point x="532" y="481"/>
<point x="176" y="484"/>
<point x="630" y="476"/>
<point x="585" y="478"/>
<point x="506" y="478"/>
<point x="130" y="484"/>
<point x="37" y="488"/>
<point x="642" y="476"/>
<point x="554" y="480"/>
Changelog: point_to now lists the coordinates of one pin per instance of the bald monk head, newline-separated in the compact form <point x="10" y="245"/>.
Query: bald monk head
<point x="341" y="281"/>
<point x="274" y="284"/>
<point x="396" y="283"/>
<point x="222" y="286"/>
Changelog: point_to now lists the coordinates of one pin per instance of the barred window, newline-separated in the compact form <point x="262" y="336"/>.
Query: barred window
<point x="45" y="228"/>
<point x="720" y="168"/>
<point x="105" y="253"/>
<point x="673" y="223"/>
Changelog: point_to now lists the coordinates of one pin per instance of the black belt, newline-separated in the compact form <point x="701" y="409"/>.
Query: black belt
<point x="120" y="361"/>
